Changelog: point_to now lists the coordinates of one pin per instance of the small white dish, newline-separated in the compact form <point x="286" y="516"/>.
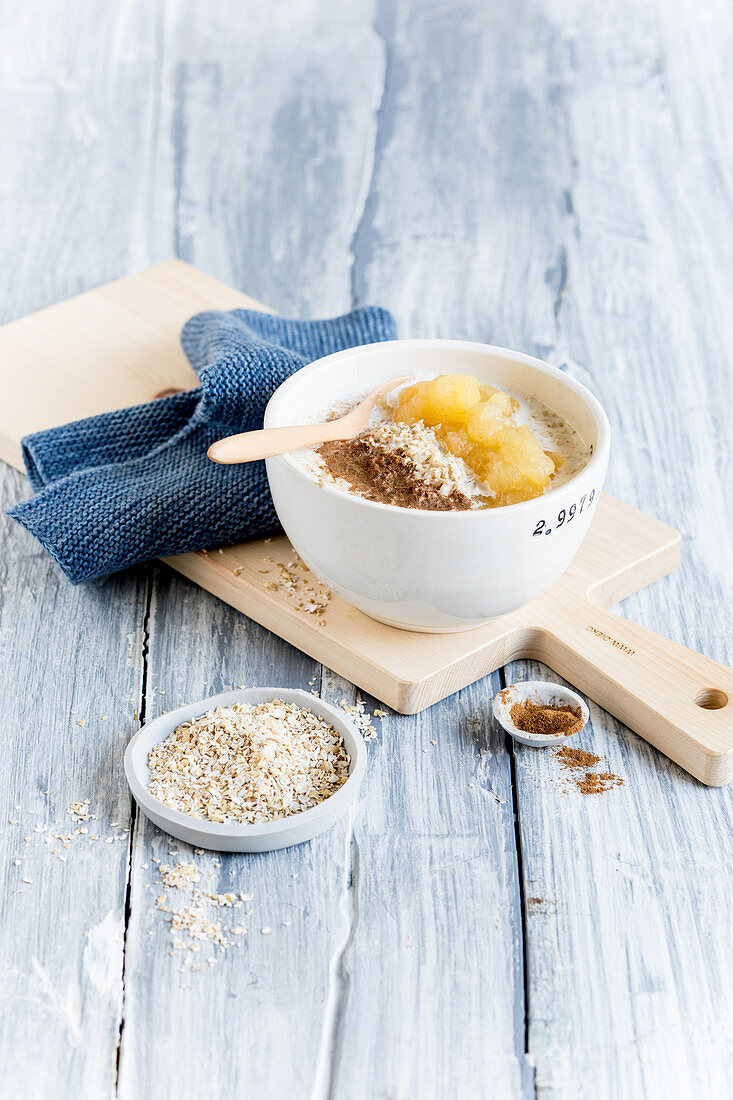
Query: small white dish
<point x="265" y="837"/>
<point x="540" y="693"/>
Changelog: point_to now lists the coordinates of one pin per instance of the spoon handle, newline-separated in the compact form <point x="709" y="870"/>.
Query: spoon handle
<point x="251" y="446"/>
<point x="268" y="442"/>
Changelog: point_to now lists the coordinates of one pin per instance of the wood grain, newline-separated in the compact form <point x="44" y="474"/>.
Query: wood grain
<point x="74" y="90"/>
<point x="73" y="667"/>
<point x="431" y="948"/>
<point x="628" y="977"/>
<point x="550" y="176"/>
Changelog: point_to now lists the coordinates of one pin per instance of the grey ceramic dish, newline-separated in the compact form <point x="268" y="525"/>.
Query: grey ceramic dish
<point x="244" y="838"/>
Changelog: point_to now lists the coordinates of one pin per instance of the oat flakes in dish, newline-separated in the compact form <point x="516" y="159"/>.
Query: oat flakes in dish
<point x="248" y="763"/>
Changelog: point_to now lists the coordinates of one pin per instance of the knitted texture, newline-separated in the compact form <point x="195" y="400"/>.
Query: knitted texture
<point x="135" y="484"/>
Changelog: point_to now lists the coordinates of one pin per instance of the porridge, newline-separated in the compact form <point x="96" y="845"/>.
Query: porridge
<point x="451" y="443"/>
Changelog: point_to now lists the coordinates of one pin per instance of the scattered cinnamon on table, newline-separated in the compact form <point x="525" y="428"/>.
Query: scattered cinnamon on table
<point x="579" y="763"/>
<point x="546" y="719"/>
<point x="577" y="758"/>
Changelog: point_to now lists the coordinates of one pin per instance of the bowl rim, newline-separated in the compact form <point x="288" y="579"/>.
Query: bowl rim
<point x="597" y="460"/>
<point x="339" y="801"/>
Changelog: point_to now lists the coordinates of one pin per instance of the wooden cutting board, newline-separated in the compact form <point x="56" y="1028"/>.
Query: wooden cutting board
<point x="118" y="345"/>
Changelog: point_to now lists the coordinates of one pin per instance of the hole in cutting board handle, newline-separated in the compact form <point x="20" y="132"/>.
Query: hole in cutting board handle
<point x="711" y="699"/>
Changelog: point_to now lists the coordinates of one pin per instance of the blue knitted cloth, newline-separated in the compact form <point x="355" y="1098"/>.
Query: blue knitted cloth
<point x="132" y="485"/>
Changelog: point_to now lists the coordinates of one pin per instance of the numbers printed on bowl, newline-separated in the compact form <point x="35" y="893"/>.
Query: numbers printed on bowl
<point x="565" y="515"/>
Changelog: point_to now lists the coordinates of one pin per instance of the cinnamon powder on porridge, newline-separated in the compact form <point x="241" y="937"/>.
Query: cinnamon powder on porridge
<point x="388" y="476"/>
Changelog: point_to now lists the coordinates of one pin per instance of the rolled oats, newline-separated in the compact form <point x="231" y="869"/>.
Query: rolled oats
<point x="249" y="763"/>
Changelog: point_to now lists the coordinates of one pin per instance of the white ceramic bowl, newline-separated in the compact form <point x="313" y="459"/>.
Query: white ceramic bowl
<point x="244" y="838"/>
<point x="434" y="571"/>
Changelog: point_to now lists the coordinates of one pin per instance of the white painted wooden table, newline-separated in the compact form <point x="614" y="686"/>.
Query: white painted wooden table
<point x="550" y="176"/>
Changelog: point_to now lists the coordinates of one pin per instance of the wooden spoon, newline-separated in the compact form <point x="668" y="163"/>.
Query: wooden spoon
<point x="250" y="446"/>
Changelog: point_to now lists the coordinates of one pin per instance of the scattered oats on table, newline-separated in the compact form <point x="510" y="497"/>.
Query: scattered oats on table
<point x="189" y="923"/>
<point x="79" y="811"/>
<point x="182" y="875"/>
<point x="249" y="763"/>
<point x="361" y="719"/>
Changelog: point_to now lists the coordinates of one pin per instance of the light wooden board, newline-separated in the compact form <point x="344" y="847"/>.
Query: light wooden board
<point x="623" y="551"/>
<point x="105" y="349"/>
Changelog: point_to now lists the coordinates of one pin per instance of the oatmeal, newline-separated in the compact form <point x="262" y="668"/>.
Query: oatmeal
<point x="249" y="763"/>
<point x="452" y="443"/>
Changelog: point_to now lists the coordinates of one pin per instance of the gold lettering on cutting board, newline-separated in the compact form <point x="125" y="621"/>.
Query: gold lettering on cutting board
<point x="611" y="641"/>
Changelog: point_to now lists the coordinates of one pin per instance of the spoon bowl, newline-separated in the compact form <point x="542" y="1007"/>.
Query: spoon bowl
<point x="540" y="693"/>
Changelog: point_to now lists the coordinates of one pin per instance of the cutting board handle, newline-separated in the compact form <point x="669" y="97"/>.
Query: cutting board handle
<point x="679" y="700"/>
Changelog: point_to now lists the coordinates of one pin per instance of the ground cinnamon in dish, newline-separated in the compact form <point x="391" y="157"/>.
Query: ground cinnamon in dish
<point x="534" y="718"/>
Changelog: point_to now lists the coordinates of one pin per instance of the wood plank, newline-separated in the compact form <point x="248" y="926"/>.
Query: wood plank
<point x="75" y="136"/>
<point x="290" y="1015"/>
<point x="429" y="972"/>
<point x="430" y="977"/>
<point x="629" y="974"/>
<point x="79" y="111"/>
<point x="261" y="1020"/>
<point x="73" y="661"/>
<point x="476" y="254"/>
<point x="198" y="647"/>
<point x="628" y="902"/>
